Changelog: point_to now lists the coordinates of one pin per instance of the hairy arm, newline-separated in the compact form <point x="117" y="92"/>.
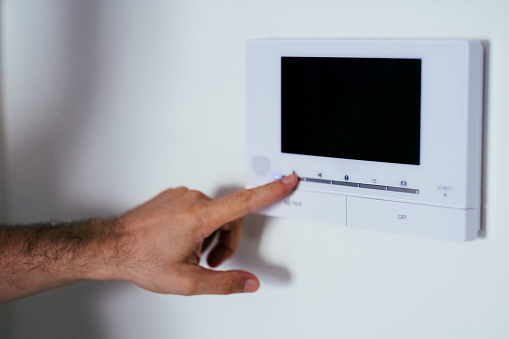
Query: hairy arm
<point x="39" y="257"/>
<point x="157" y="245"/>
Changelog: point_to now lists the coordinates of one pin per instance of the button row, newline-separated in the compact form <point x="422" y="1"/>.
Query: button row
<point x="359" y="185"/>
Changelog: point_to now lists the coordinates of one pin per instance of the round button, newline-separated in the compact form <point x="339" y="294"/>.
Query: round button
<point x="347" y="177"/>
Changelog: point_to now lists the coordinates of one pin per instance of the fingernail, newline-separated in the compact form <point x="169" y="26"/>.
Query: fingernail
<point x="250" y="286"/>
<point x="286" y="180"/>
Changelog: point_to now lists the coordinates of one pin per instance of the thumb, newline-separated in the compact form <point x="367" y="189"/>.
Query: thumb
<point x="223" y="282"/>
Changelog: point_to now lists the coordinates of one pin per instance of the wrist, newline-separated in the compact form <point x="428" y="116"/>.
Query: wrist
<point x="105" y="253"/>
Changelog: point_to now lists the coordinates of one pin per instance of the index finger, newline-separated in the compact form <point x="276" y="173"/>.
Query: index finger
<point x="238" y="204"/>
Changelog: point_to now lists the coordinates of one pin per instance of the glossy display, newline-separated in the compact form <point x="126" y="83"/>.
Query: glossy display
<point x="352" y="108"/>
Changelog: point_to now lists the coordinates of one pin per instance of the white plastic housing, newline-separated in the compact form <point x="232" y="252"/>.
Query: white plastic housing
<point x="448" y="178"/>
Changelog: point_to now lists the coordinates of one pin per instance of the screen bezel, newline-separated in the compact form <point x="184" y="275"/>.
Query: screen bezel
<point x="444" y="121"/>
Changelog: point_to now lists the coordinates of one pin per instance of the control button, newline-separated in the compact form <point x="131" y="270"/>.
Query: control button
<point x="402" y="217"/>
<point x="423" y="220"/>
<point x="345" y="183"/>
<point x="373" y="187"/>
<point x="320" y="174"/>
<point x="403" y="190"/>
<point x="403" y="184"/>
<point x="347" y="177"/>
<point x="321" y="181"/>
<point x="329" y="208"/>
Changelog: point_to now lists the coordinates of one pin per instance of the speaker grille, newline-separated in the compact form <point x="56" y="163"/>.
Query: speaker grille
<point x="261" y="165"/>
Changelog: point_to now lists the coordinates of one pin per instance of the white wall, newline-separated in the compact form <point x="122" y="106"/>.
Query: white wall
<point x="107" y="102"/>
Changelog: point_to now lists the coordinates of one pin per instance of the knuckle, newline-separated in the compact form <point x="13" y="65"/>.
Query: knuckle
<point x="197" y="195"/>
<point x="245" y="197"/>
<point x="189" y="287"/>
<point x="179" y="190"/>
<point x="196" y="214"/>
<point x="229" y="286"/>
<point x="203" y="217"/>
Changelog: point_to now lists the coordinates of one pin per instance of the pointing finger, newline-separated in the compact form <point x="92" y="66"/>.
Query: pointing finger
<point x="238" y="204"/>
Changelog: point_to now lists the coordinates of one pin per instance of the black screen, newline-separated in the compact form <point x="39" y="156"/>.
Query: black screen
<point x="352" y="108"/>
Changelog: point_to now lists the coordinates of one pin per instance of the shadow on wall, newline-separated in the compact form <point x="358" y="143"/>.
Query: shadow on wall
<point x="249" y="256"/>
<point x="3" y="154"/>
<point x="36" y="163"/>
<point x="6" y="315"/>
<point x="484" y="179"/>
<point x="37" y="160"/>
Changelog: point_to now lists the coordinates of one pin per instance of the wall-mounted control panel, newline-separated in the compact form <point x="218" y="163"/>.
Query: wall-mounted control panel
<point x="385" y="134"/>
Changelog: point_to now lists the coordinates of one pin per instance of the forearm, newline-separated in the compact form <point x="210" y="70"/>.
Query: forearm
<point x="41" y="257"/>
<point x="157" y="245"/>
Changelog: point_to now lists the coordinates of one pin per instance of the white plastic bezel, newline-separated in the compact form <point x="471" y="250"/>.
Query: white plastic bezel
<point x="449" y="173"/>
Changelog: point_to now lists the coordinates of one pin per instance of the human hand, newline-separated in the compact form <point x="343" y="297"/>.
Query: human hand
<point x="162" y="240"/>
